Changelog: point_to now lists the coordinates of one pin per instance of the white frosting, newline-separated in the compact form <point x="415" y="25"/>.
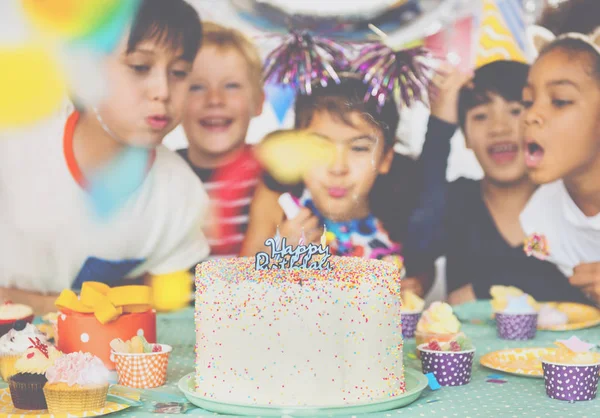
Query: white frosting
<point x="14" y="311"/>
<point x="368" y="8"/>
<point x="265" y="340"/>
<point x="17" y="342"/>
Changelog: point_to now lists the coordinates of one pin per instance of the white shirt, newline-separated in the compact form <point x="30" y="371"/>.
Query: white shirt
<point x="573" y="237"/>
<point x="50" y="238"/>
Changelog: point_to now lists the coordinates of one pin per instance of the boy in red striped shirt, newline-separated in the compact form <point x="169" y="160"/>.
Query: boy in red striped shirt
<point x="226" y="92"/>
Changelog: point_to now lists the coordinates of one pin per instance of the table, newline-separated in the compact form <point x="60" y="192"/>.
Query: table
<point x="519" y="397"/>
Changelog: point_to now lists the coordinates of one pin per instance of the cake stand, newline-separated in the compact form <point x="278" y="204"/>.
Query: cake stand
<point x="415" y="383"/>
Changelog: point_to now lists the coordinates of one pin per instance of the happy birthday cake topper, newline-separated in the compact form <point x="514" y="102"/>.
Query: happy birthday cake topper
<point x="286" y="257"/>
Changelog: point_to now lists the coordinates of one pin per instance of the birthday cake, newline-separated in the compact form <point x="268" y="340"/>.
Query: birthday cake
<point x="322" y="332"/>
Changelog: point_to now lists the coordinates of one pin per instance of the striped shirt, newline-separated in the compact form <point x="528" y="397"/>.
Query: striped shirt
<point x="230" y="189"/>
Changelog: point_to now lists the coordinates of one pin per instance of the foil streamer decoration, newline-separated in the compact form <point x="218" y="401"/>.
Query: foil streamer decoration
<point x="304" y="59"/>
<point x="403" y="75"/>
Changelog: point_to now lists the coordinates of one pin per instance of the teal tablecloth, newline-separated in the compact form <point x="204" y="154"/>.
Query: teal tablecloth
<point x="518" y="397"/>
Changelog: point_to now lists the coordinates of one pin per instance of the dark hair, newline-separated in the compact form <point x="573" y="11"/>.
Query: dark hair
<point x="573" y="46"/>
<point x="342" y="99"/>
<point x="173" y="23"/>
<point x="504" y="78"/>
<point x="572" y="16"/>
<point x="394" y="195"/>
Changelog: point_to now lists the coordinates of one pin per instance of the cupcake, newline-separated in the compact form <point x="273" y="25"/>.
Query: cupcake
<point x="140" y="364"/>
<point x="77" y="382"/>
<point x="438" y="323"/>
<point x="412" y="306"/>
<point x="451" y="362"/>
<point x="571" y="372"/>
<point x="14" y="343"/>
<point x="518" y="320"/>
<point x="11" y="313"/>
<point x="26" y="386"/>
<point x="501" y="294"/>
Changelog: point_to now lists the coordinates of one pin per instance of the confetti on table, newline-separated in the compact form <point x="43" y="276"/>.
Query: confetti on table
<point x="433" y="383"/>
<point x="496" y="381"/>
<point x="433" y="400"/>
<point x="495" y="376"/>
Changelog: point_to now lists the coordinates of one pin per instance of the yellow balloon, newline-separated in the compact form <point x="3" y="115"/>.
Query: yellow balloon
<point x="69" y="18"/>
<point x="31" y="85"/>
<point x="288" y="154"/>
<point x="171" y="291"/>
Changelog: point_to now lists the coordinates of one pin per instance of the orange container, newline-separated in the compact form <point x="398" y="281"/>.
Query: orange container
<point x="142" y="370"/>
<point x="82" y="332"/>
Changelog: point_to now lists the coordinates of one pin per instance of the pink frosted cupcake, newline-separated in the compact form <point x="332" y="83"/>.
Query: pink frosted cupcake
<point x="77" y="382"/>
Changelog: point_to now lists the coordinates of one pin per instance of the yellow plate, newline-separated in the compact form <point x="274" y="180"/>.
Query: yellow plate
<point x="8" y="410"/>
<point x="580" y="316"/>
<point x="520" y="361"/>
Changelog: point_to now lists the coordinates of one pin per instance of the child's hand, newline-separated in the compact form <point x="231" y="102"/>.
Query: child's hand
<point x="291" y="229"/>
<point x="587" y="278"/>
<point x="444" y="92"/>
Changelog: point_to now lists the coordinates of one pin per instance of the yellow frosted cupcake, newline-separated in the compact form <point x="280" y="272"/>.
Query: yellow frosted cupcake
<point x="439" y="323"/>
<point x="26" y="386"/>
<point x="77" y="382"/>
<point x="14" y="343"/>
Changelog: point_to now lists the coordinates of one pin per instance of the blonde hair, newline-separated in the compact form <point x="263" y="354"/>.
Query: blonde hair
<point x="224" y="38"/>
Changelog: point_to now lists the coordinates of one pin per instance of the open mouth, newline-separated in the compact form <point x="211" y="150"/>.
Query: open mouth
<point x="216" y="124"/>
<point x="504" y="152"/>
<point x="534" y="154"/>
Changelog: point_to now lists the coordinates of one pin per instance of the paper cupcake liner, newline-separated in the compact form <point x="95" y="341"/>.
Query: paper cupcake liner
<point x="62" y="399"/>
<point x="516" y="326"/>
<point x="7" y="365"/>
<point x="409" y="323"/>
<point x="147" y="370"/>
<point x="571" y="382"/>
<point x="450" y="368"/>
<point x="27" y="395"/>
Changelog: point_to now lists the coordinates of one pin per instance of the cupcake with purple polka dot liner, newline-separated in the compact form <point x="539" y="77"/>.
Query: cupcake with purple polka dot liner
<point x="412" y="307"/>
<point x="571" y="372"/>
<point x="516" y="313"/>
<point x="451" y="362"/>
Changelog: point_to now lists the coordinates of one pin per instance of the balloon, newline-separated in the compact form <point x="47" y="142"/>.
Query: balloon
<point x="114" y="184"/>
<point x="70" y="18"/>
<point x="288" y="155"/>
<point x="31" y="84"/>
<point x="106" y="38"/>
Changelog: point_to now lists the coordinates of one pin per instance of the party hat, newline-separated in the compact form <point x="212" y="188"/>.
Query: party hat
<point x="496" y="40"/>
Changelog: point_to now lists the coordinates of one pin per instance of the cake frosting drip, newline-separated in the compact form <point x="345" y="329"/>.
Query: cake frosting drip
<point x="302" y="337"/>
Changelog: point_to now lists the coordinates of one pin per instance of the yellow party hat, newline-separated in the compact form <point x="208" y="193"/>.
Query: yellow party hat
<point x="496" y="41"/>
